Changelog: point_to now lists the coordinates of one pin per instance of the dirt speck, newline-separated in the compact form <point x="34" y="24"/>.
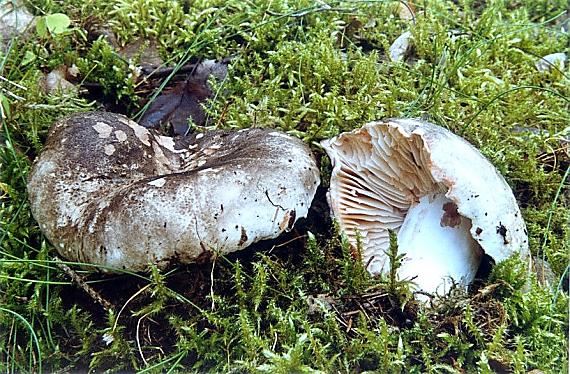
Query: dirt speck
<point x="502" y="230"/>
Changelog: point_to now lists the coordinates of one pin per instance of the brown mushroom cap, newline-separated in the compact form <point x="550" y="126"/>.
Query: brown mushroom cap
<point x="386" y="169"/>
<point x="107" y="191"/>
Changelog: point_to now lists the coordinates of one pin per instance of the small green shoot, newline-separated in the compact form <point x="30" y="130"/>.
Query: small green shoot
<point x="52" y="25"/>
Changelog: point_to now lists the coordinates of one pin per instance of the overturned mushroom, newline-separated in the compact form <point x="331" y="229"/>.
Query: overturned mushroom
<point x="447" y="203"/>
<point x="107" y="191"/>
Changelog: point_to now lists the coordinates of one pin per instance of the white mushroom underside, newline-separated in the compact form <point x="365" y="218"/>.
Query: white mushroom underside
<point x="438" y="246"/>
<point x="378" y="179"/>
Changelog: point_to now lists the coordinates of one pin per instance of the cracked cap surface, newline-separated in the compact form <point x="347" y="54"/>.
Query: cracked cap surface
<point x="110" y="192"/>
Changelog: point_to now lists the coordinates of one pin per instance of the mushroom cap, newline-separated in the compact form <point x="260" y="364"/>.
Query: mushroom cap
<point x="107" y="191"/>
<point x="386" y="167"/>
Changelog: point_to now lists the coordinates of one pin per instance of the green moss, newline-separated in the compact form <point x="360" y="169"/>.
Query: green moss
<point x="313" y="70"/>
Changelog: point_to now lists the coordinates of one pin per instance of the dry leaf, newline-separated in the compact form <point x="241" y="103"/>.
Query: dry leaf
<point x="406" y="10"/>
<point x="184" y="100"/>
<point x="97" y="28"/>
<point x="144" y="51"/>
<point x="57" y="79"/>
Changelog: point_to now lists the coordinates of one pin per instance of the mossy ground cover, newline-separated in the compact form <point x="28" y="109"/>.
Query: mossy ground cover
<point x="300" y="303"/>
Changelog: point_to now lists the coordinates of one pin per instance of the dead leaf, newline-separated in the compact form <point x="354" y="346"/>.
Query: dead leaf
<point x="97" y="28"/>
<point x="184" y="100"/>
<point x="406" y="10"/>
<point x="58" y="79"/>
<point x="143" y="51"/>
<point x="499" y="367"/>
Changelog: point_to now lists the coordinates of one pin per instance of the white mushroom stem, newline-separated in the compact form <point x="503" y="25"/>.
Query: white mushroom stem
<point x="438" y="245"/>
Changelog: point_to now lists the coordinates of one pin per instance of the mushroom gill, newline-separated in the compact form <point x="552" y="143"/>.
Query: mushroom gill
<point x="401" y="175"/>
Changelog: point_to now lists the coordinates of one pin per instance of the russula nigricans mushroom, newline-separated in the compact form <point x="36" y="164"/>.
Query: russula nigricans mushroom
<point x="107" y="191"/>
<point x="447" y="203"/>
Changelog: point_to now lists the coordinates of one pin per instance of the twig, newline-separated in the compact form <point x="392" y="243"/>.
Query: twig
<point x="363" y="309"/>
<point x="79" y="282"/>
<point x="287" y="242"/>
<point x="375" y="295"/>
<point x="340" y="318"/>
<point x="351" y="313"/>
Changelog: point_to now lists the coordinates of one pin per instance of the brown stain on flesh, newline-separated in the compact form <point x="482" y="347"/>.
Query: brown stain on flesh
<point x="243" y="237"/>
<point x="288" y="220"/>
<point x="451" y="217"/>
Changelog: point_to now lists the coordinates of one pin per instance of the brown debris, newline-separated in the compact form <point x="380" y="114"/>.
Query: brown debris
<point x="184" y="100"/>
<point x="58" y="80"/>
<point x="80" y="282"/>
<point x="378" y="304"/>
<point x="143" y="51"/>
<point x="451" y="218"/>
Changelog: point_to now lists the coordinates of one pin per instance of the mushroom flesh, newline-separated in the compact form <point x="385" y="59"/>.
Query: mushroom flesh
<point x="447" y="202"/>
<point x="109" y="192"/>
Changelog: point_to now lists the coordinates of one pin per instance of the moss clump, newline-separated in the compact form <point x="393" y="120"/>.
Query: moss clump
<point x="301" y="303"/>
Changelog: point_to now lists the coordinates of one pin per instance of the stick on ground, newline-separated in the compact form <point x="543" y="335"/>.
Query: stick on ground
<point x="80" y="282"/>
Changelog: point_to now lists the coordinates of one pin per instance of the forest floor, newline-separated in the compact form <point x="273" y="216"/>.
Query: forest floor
<point x="313" y="69"/>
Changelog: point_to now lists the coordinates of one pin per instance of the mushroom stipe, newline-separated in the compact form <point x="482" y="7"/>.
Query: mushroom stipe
<point x="447" y="202"/>
<point x="109" y="192"/>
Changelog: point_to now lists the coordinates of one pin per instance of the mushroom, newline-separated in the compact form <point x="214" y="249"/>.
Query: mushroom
<point x="109" y="192"/>
<point x="446" y="202"/>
